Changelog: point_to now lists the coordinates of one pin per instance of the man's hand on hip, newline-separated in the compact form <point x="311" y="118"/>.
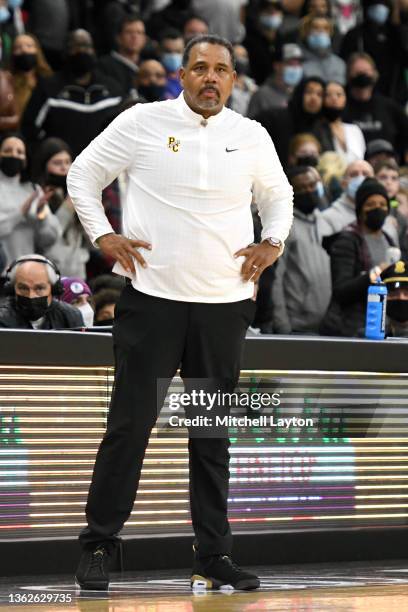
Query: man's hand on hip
<point x="257" y="258"/>
<point x="123" y="250"/>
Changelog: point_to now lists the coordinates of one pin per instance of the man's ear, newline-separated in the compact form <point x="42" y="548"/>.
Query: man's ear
<point x="182" y="74"/>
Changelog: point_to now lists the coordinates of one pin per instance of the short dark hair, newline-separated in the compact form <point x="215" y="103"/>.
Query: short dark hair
<point x="105" y="297"/>
<point x="211" y="39"/>
<point x="124" y="21"/>
<point x="170" y="33"/>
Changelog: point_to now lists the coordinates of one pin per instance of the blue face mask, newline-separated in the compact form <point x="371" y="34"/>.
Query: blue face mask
<point x="292" y="75"/>
<point x="319" y="41"/>
<point x="378" y="13"/>
<point x="14" y="4"/>
<point x="172" y="61"/>
<point x="4" y="14"/>
<point x="353" y="185"/>
<point x="271" y="22"/>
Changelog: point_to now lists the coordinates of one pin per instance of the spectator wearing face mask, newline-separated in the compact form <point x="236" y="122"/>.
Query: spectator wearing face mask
<point x="151" y="81"/>
<point x="382" y="40"/>
<point x="27" y="66"/>
<point x="75" y="103"/>
<point x="376" y="115"/>
<point x="342" y="211"/>
<point x="171" y="56"/>
<point x="302" y="287"/>
<point x="395" y="278"/>
<point x="244" y="86"/>
<point x="278" y="87"/>
<point x="304" y="150"/>
<point x="34" y="284"/>
<point x="357" y="256"/>
<point x="301" y="115"/>
<point x="70" y="251"/>
<point x="346" y="139"/>
<point x="316" y="35"/>
<point x="122" y="64"/>
<point x="77" y="293"/>
<point x="26" y="221"/>
<point x="323" y="8"/>
<point x="263" y="39"/>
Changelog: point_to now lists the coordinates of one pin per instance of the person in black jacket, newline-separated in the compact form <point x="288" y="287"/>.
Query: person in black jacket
<point x="376" y="115"/>
<point x="122" y="63"/>
<point x="358" y="255"/>
<point x="75" y="103"/>
<point x="33" y="282"/>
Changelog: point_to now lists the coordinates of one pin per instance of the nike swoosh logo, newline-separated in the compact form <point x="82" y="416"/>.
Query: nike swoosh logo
<point x="230" y="150"/>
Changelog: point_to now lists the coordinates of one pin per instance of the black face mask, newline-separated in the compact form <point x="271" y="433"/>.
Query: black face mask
<point x="306" y="202"/>
<point x="56" y="180"/>
<point x="332" y="114"/>
<point x="11" y="166"/>
<point x="242" y="66"/>
<point x="104" y="322"/>
<point x="362" y="80"/>
<point x="81" y="63"/>
<point x="25" y="61"/>
<point x="307" y="160"/>
<point x="152" y="93"/>
<point x="32" y="308"/>
<point x="398" y="310"/>
<point x="374" y="219"/>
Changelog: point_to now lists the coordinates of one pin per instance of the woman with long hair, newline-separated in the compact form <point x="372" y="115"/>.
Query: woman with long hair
<point x="334" y="134"/>
<point x="71" y="250"/>
<point x="303" y="111"/>
<point x="27" y="66"/>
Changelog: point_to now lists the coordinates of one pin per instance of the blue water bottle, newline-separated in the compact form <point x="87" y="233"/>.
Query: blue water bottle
<point x="376" y="309"/>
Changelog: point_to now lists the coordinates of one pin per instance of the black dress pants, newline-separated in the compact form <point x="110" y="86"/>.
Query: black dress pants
<point x="152" y="337"/>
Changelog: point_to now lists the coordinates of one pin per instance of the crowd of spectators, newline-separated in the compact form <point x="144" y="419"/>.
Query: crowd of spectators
<point x="328" y="80"/>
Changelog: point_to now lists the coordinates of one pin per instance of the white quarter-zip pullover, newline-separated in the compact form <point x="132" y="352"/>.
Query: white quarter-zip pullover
<point x="190" y="184"/>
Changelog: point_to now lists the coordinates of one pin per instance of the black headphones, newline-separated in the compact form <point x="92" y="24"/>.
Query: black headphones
<point x="57" y="288"/>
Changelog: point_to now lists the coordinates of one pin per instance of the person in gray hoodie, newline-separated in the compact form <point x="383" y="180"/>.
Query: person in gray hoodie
<point x="302" y="287"/>
<point x="27" y="224"/>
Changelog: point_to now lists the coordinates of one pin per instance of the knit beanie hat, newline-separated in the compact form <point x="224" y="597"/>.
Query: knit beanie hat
<point x="73" y="288"/>
<point x="369" y="187"/>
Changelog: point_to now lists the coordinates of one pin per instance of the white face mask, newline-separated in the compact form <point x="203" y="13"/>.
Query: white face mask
<point x="87" y="314"/>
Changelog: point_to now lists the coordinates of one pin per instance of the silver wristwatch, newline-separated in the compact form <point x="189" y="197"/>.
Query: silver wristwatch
<point x="275" y="242"/>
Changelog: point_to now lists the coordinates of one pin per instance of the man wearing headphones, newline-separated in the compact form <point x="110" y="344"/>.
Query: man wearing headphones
<point x="33" y="282"/>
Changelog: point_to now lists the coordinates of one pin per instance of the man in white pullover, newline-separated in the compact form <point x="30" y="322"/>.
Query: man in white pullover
<point x="192" y="166"/>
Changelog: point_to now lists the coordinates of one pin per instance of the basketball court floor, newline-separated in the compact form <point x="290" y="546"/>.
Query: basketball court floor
<point x="346" y="587"/>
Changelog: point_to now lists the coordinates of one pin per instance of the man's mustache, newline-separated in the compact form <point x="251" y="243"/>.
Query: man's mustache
<point x="209" y="88"/>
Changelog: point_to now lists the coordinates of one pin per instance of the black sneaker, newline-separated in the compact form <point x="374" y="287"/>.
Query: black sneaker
<point x="220" y="571"/>
<point x="93" y="569"/>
